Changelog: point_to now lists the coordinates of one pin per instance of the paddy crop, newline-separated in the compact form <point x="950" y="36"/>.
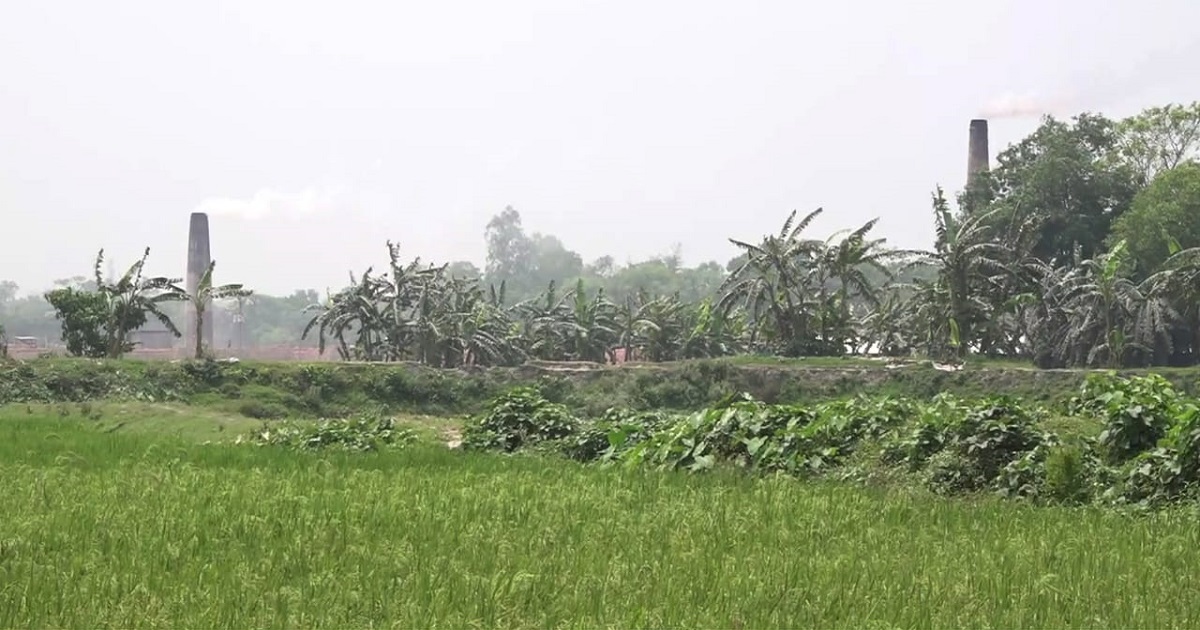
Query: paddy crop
<point x="142" y="530"/>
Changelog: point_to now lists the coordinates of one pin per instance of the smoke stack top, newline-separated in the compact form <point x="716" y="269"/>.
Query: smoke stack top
<point x="977" y="149"/>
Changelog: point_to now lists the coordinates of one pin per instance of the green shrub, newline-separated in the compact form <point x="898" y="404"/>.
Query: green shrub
<point x="205" y="371"/>
<point x="913" y="445"/>
<point x="520" y="418"/>
<point x="617" y="431"/>
<point x="966" y="447"/>
<point x="1053" y="472"/>
<point x="1066" y="474"/>
<point x="368" y="432"/>
<point x="950" y="445"/>
<point x="1137" y="411"/>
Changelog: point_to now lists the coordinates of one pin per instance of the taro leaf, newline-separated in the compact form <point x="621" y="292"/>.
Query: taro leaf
<point x="702" y="462"/>
<point x="617" y="437"/>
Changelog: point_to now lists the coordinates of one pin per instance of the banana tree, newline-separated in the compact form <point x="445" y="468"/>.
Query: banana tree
<point x="1109" y="314"/>
<point x="974" y="270"/>
<point x="206" y="293"/>
<point x="589" y="330"/>
<point x="630" y="322"/>
<point x="775" y="287"/>
<point x="845" y="265"/>
<point x="128" y="301"/>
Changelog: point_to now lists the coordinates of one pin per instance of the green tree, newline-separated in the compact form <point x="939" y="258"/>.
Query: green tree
<point x="1159" y="139"/>
<point x="1109" y="315"/>
<point x="845" y="280"/>
<point x="8" y="293"/>
<point x="602" y="267"/>
<point x="553" y="261"/>
<point x="464" y="269"/>
<point x="509" y="249"/>
<point x="83" y="316"/>
<point x="1066" y="176"/>
<point x="953" y="310"/>
<point x="1163" y="215"/>
<point x="269" y="319"/>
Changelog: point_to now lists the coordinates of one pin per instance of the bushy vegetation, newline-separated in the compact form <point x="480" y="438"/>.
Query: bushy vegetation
<point x="519" y="419"/>
<point x="140" y="531"/>
<point x="1145" y="451"/>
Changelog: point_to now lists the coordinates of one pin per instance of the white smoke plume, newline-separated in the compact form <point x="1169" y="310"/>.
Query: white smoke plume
<point x="1010" y="105"/>
<point x="271" y="202"/>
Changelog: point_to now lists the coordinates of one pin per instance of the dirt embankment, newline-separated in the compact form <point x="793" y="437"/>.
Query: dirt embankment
<point x="272" y="389"/>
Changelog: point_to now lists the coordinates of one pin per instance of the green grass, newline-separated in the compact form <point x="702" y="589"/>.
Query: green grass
<point x="195" y="423"/>
<point x="146" y="529"/>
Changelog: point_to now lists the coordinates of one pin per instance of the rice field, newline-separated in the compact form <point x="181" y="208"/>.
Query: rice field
<point x="149" y="530"/>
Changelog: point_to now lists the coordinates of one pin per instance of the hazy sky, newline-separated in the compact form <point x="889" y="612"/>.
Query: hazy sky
<point x="314" y="131"/>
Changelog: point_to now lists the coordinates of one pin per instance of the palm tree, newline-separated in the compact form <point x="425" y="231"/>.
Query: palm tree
<point x="887" y="328"/>
<point x="417" y="312"/>
<point x="350" y="310"/>
<point x="707" y="332"/>
<point x="665" y="326"/>
<point x="592" y="329"/>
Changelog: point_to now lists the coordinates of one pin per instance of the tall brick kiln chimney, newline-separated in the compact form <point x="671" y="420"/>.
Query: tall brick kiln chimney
<point x="199" y="257"/>
<point x="977" y="149"/>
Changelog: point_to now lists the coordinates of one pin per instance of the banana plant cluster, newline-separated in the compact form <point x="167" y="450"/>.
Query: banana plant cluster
<point x="981" y="290"/>
<point x="791" y="297"/>
<point x="805" y="297"/>
<point x="420" y="312"/>
<point x="987" y="294"/>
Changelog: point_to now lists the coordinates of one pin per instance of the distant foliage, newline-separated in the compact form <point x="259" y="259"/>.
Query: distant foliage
<point x="1078" y="247"/>
<point x="1029" y="266"/>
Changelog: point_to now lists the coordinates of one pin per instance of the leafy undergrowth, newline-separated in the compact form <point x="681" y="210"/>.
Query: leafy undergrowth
<point x="1147" y="452"/>
<point x="366" y="432"/>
